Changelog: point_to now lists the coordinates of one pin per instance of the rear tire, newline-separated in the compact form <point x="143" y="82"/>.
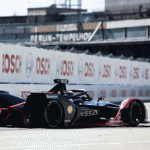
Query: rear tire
<point x="54" y="114"/>
<point x="135" y="113"/>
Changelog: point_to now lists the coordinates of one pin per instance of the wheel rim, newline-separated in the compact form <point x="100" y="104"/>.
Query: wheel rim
<point x="53" y="114"/>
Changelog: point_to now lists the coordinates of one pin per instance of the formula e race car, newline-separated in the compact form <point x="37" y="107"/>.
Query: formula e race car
<point x="59" y="107"/>
<point x="11" y="109"/>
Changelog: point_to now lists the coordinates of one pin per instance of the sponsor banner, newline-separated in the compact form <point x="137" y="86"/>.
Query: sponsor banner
<point x="145" y="73"/>
<point x="106" y="70"/>
<point x="139" y="73"/>
<point x="86" y="69"/>
<point x="123" y="92"/>
<point x="147" y="92"/>
<point x="65" y="67"/>
<point x="133" y="91"/>
<point x="121" y="72"/>
<point x="42" y="66"/>
<point x="143" y="92"/>
<point x="103" y="92"/>
<point x="113" y="93"/>
<point x="11" y="63"/>
<point x="33" y="65"/>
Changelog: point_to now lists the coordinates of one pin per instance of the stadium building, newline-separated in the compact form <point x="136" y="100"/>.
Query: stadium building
<point x="120" y="30"/>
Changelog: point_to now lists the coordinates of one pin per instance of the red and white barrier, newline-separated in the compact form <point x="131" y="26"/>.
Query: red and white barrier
<point x="35" y="69"/>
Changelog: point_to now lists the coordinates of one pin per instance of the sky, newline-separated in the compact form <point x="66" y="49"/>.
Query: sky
<point x="19" y="7"/>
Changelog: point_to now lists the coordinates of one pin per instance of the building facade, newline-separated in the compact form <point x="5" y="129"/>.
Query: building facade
<point x="119" y="34"/>
<point x="126" y="6"/>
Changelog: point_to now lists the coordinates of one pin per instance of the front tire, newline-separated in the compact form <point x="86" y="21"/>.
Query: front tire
<point x="54" y="114"/>
<point x="135" y="113"/>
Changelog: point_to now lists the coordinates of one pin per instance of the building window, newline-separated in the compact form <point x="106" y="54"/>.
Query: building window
<point x="114" y="33"/>
<point x="36" y="19"/>
<point x="97" y="36"/>
<point x="148" y="31"/>
<point x="136" y="32"/>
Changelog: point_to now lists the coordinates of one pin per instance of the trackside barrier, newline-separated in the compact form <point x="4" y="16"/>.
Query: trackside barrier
<point x="29" y="69"/>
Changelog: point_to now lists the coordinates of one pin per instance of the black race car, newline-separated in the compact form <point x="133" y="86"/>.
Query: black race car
<point x="11" y="110"/>
<point x="59" y="107"/>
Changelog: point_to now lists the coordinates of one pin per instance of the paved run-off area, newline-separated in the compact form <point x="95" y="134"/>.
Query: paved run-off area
<point x="134" y="138"/>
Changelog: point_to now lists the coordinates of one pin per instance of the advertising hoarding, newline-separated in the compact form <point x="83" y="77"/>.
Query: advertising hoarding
<point x="28" y="69"/>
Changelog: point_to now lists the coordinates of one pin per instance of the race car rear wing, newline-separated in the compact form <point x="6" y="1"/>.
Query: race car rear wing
<point x="60" y="87"/>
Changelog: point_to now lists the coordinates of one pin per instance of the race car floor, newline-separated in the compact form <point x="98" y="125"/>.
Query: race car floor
<point x="85" y="138"/>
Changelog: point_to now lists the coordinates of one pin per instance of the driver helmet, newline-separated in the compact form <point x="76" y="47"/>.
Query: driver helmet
<point x="70" y="93"/>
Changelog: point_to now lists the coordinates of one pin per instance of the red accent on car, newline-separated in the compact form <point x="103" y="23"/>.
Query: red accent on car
<point x="51" y="92"/>
<point x="17" y="104"/>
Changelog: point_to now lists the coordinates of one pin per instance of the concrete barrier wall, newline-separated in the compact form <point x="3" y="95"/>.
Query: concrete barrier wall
<point x="28" y="69"/>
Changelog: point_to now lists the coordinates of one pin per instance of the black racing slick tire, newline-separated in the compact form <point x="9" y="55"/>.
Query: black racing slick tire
<point x="54" y="114"/>
<point x="135" y="113"/>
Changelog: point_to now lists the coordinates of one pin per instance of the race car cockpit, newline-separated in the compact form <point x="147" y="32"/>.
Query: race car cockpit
<point x="60" y="88"/>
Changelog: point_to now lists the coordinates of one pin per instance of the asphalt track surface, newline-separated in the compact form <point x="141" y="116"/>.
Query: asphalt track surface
<point x="79" y="138"/>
